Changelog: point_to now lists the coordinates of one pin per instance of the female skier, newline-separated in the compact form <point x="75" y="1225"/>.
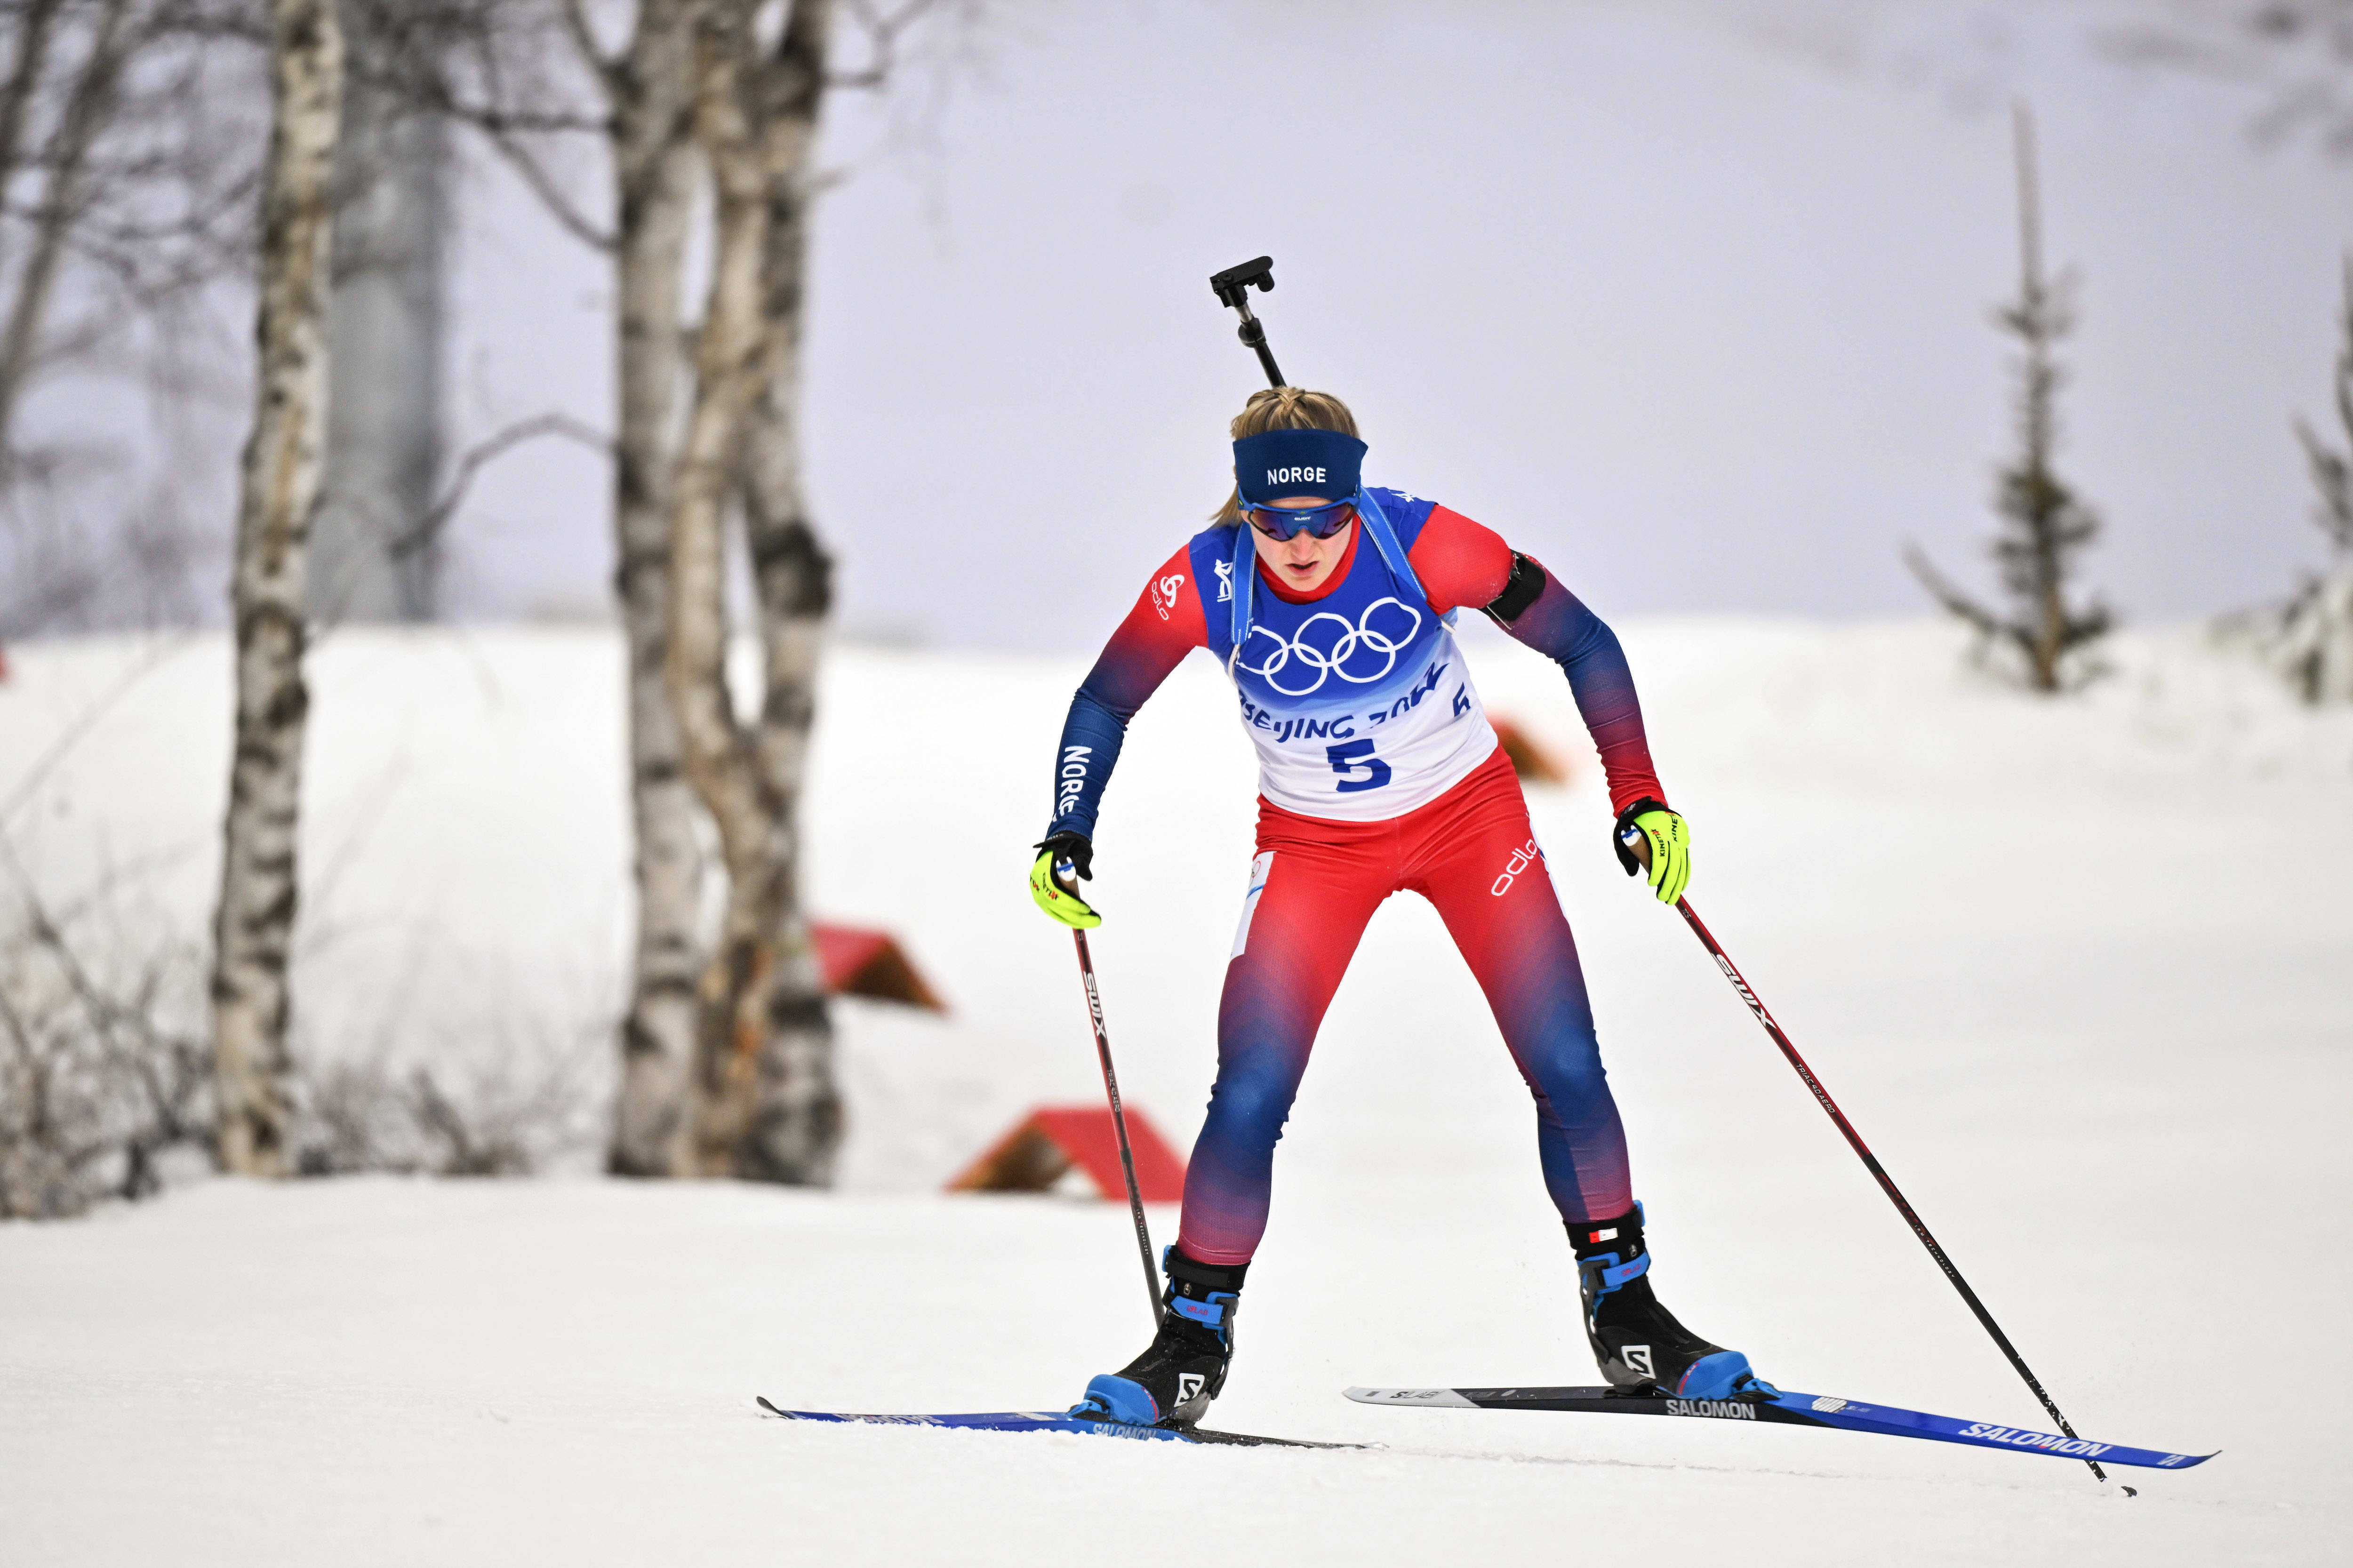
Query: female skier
<point x="1328" y="604"/>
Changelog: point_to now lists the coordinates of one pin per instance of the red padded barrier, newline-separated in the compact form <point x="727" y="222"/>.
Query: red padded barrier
<point x="1051" y="1139"/>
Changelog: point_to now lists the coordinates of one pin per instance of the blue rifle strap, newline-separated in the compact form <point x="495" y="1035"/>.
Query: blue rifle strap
<point x="1245" y="569"/>
<point x="1385" y="539"/>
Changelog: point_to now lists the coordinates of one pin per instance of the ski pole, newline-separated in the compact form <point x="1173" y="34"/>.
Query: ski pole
<point x="1862" y="1150"/>
<point x="1119" y="1124"/>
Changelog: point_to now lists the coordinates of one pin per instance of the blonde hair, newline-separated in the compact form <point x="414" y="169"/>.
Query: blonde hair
<point x="1283" y="408"/>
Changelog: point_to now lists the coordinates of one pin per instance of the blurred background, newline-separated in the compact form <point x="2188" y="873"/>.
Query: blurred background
<point x="595" y="811"/>
<point x="1700" y="282"/>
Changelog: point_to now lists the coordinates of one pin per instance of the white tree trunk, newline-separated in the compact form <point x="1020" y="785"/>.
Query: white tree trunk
<point x="254" y="926"/>
<point x="769" y="1109"/>
<point x="793" y="578"/>
<point x="729" y="351"/>
<point x="652" y="98"/>
<point x="797" y="1107"/>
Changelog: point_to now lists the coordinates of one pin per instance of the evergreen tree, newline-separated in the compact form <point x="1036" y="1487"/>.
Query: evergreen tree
<point x="2316" y="629"/>
<point x="2045" y="524"/>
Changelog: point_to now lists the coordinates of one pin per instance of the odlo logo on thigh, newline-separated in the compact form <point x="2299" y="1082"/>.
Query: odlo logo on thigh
<point x="1525" y="856"/>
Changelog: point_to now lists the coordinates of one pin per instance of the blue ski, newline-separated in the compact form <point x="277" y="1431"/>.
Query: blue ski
<point x="1785" y="1409"/>
<point x="1055" y="1421"/>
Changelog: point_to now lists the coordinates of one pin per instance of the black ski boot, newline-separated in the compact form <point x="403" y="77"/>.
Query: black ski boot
<point x="1172" y="1383"/>
<point x="1637" y="1340"/>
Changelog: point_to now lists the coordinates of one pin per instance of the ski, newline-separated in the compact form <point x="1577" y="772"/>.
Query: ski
<point x="1055" y="1421"/>
<point x="1783" y="1409"/>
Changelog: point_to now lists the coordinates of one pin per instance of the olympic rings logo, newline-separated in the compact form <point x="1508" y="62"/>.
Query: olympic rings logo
<point x="1333" y="660"/>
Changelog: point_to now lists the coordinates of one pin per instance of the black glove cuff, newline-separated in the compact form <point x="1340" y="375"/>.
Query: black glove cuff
<point x="1071" y="845"/>
<point x="1625" y="820"/>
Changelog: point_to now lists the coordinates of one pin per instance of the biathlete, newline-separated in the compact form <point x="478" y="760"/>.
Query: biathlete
<point x="1329" y="606"/>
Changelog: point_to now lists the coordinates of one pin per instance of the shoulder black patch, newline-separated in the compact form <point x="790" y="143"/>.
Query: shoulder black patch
<point x="1527" y="581"/>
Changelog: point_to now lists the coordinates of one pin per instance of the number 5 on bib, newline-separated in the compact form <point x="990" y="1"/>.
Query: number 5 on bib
<point x="1348" y="757"/>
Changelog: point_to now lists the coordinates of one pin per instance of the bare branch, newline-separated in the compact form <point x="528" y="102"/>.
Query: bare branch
<point x="482" y="453"/>
<point x="127" y="162"/>
<point x="882" y="29"/>
<point x="584" y="38"/>
<point x="34" y="30"/>
<point x="544" y="185"/>
<point x="2300" y="50"/>
<point x="469" y="61"/>
<point x="507" y="122"/>
<point x="1987" y="623"/>
<point x="95" y="1074"/>
<point x="86" y="113"/>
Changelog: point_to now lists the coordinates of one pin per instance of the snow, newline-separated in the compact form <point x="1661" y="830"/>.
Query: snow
<point x="2081" y="971"/>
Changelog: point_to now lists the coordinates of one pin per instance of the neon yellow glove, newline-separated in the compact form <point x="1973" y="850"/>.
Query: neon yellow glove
<point x="1054" y="878"/>
<point x="1650" y="834"/>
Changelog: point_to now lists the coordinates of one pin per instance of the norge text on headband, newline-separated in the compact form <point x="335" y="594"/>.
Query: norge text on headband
<point x="1282" y="465"/>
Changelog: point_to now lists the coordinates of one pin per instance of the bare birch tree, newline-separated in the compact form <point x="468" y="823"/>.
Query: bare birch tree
<point x="649" y="85"/>
<point x="2047" y="525"/>
<point x="790" y="1115"/>
<point x="253" y="928"/>
<point x="726" y="1049"/>
<point x="726" y="1058"/>
<point x="768" y="1108"/>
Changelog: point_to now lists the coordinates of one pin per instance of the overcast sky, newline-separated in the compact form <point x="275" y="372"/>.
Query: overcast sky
<point x="1689" y="299"/>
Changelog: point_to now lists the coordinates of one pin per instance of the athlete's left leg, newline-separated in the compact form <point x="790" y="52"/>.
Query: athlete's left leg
<point x="1478" y="862"/>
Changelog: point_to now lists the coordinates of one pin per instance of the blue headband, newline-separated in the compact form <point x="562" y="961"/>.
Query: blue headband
<point x="1281" y="465"/>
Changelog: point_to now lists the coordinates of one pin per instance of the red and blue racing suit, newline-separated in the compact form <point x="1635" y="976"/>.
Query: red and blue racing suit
<point x="1378" y="773"/>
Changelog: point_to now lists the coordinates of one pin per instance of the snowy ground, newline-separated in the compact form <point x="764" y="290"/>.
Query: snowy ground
<point x="2081" y="971"/>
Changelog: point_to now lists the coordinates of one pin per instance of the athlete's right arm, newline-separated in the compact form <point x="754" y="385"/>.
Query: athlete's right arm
<point x="1165" y="625"/>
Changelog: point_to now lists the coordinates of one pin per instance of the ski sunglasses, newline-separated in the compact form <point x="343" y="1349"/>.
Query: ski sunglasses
<point x="1281" y="522"/>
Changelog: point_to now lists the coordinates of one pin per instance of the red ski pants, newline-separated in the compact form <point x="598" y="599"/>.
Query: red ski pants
<point x="1314" y="886"/>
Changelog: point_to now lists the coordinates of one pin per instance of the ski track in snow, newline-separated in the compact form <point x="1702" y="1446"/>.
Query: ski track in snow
<point x="2081" y="972"/>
